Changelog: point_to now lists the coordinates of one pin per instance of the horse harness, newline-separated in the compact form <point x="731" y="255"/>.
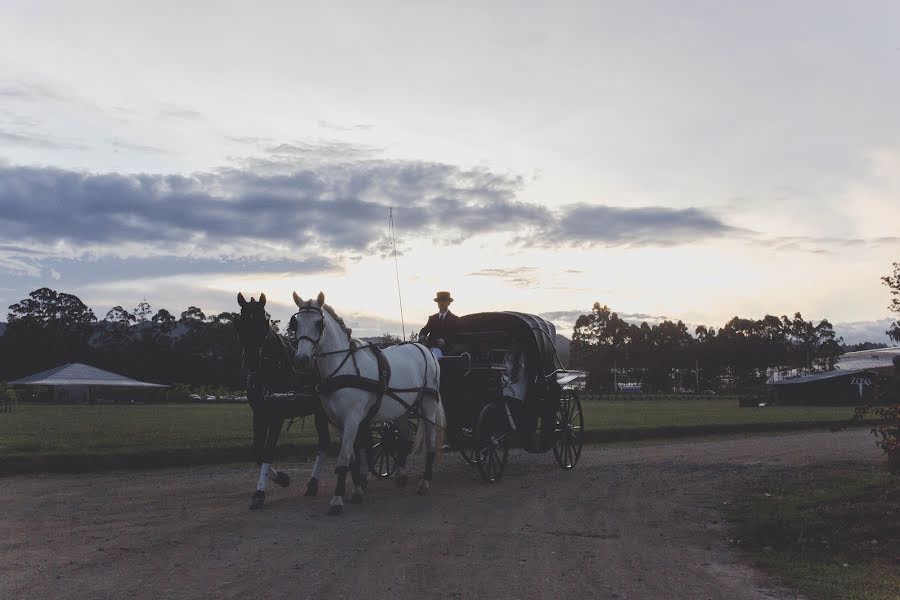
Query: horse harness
<point x="380" y="387"/>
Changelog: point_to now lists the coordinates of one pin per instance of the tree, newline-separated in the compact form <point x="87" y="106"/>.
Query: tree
<point x="45" y="330"/>
<point x="892" y="281"/>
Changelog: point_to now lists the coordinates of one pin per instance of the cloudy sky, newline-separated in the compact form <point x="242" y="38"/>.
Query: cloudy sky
<point x="693" y="160"/>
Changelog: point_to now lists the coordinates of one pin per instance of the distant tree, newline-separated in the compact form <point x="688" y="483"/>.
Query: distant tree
<point x="892" y="281"/>
<point x="143" y="311"/>
<point x="163" y="323"/>
<point x="863" y="346"/>
<point x="45" y="330"/>
<point x="117" y="327"/>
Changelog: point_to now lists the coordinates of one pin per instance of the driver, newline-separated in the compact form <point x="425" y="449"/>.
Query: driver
<point x="440" y="327"/>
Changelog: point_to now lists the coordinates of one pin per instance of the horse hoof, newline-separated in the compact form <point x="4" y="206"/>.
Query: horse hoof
<point x="282" y="479"/>
<point x="335" y="509"/>
<point x="257" y="501"/>
<point x="356" y="499"/>
<point x="364" y="484"/>
<point x="422" y="491"/>
<point x="312" y="487"/>
<point x="402" y="481"/>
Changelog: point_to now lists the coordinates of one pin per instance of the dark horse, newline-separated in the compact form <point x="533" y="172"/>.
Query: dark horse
<point x="268" y="359"/>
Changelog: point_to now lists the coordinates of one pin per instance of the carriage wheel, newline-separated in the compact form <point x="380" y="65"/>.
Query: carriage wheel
<point x="381" y="456"/>
<point x="569" y="432"/>
<point x="384" y="451"/>
<point x="491" y="443"/>
<point x="467" y="447"/>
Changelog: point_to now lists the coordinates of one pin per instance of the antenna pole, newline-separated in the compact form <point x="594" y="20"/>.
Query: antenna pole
<point x="397" y="270"/>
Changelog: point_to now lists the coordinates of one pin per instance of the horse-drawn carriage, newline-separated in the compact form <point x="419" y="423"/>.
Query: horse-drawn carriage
<point x="502" y="383"/>
<point x="500" y="380"/>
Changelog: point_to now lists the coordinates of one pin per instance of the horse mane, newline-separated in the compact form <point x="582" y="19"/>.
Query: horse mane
<point x="340" y="321"/>
<point x="327" y="308"/>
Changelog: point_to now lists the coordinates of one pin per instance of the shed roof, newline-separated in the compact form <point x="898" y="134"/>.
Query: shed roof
<point x="80" y="374"/>
<point x="821" y="376"/>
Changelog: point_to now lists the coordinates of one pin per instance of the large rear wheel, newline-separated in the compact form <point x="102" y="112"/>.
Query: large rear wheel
<point x="491" y="444"/>
<point x="569" y="434"/>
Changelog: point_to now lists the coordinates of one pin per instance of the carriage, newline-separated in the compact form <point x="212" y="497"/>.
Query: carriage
<point x="502" y="383"/>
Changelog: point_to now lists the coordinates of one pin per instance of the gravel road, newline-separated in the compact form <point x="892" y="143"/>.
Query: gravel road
<point x="635" y="521"/>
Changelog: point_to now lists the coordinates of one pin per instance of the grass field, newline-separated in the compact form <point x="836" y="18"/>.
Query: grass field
<point x="832" y="532"/>
<point x="114" y="429"/>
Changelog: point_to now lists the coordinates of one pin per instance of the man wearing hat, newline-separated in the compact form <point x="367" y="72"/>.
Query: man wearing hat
<point x="440" y="327"/>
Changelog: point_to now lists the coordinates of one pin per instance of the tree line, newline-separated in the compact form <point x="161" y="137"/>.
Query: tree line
<point x="667" y="357"/>
<point x="51" y="328"/>
<point x="743" y="352"/>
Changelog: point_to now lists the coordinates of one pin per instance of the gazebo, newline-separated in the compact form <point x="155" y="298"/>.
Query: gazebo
<point x="75" y="381"/>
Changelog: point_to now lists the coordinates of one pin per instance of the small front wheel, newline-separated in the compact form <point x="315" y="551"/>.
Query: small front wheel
<point x="491" y="444"/>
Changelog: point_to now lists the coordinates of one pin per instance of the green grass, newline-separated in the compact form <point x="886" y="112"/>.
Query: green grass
<point x="630" y="414"/>
<point x="832" y="533"/>
<point x="107" y="429"/>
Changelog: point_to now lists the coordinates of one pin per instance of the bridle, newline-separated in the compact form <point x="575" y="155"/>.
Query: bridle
<point x="320" y="326"/>
<point x="350" y="350"/>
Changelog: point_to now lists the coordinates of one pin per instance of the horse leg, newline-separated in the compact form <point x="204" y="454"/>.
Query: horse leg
<point x="400" y="475"/>
<point x="363" y="443"/>
<point x="351" y="425"/>
<point x="312" y="486"/>
<point x="356" y="466"/>
<point x="266" y="458"/>
<point x="279" y="477"/>
<point x="260" y="432"/>
<point x="430" y="443"/>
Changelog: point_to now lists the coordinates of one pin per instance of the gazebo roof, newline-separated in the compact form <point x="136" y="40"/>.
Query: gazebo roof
<point x="79" y="374"/>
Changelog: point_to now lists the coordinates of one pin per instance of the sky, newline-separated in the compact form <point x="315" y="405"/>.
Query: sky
<point x="690" y="160"/>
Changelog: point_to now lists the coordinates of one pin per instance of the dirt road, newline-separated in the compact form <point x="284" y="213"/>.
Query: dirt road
<point x="630" y="522"/>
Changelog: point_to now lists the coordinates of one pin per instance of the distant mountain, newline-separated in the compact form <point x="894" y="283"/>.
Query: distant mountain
<point x="562" y="349"/>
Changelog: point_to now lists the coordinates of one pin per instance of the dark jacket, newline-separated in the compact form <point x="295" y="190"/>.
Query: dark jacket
<point x="437" y="329"/>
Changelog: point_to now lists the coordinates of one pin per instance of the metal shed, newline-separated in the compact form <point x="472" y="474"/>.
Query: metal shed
<point x="75" y="381"/>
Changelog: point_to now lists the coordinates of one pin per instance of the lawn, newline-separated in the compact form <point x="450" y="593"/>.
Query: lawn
<point x="633" y="414"/>
<point x="832" y="532"/>
<point x="34" y="429"/>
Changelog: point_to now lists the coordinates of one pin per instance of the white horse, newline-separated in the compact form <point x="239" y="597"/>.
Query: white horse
<point x="361" y="382"/>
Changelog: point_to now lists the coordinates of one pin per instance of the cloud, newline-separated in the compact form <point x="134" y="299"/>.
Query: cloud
<point x="303" y="201"/>
<point x="856" y="332"/>
<point x="336" y="127"/>
<point x="180" y="113"/>
<point x="825" y="245"/>
<point x="123" y="145"/>
<point x="519" y="277"/>
<point x="589" y="225"/>
<point x="31" y="140"/>
<point x="30" y="91"/>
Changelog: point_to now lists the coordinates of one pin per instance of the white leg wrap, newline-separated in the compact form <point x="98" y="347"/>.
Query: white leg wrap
<point x="337" y="501"/>
<point x="317" y="465"/>
<point x="263" y="475"/>
<point x="357" y="490"/>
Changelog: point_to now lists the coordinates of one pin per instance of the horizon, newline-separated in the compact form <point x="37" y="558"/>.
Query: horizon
<point x="697" y="162"/>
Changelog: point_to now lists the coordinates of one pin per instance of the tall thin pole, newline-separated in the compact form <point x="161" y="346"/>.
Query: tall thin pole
<point x="397" y="270"/>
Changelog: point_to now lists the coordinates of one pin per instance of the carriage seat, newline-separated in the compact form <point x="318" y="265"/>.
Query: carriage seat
<point x="485" y="348"/>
